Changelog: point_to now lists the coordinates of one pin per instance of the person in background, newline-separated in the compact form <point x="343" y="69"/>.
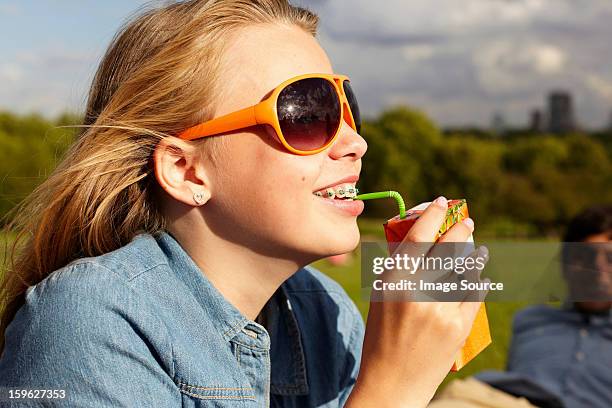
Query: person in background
<point x="559" y="357"/>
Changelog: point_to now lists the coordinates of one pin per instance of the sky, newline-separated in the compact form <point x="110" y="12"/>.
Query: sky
<point x="460" y="62"/>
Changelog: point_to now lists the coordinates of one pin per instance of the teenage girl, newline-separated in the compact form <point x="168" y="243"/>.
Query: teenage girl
<point x="164" y="262"/>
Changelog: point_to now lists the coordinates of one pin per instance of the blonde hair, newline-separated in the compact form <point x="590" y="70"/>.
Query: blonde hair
<point x="158" y="76"/>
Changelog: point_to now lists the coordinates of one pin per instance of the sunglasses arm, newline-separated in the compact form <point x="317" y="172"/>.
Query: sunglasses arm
<point x="232" y="121"/>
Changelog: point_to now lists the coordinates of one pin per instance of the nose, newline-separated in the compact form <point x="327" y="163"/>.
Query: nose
<point x="348" y="144"/>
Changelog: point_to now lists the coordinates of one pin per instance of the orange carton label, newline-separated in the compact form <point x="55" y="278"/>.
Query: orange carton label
<point x="395" y="231"/>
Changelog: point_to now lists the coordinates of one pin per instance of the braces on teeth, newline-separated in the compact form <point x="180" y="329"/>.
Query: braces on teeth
<point x="340" y="192"/>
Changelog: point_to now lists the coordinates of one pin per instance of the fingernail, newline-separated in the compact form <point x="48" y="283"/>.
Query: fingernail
<point x="469" y="223"/>
<point x="441" y="202"/>
<point x="483" y="251"/>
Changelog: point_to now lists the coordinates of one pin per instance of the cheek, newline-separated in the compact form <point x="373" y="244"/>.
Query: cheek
<point x="286" y="182"/>
<point x="267" y="181"/>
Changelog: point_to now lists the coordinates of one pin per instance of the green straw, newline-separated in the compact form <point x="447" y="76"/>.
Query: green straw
<point x="386" y="194"/>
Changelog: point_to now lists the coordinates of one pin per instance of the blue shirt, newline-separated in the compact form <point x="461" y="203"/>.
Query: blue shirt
<point x="142" y="326"/>
<point x="567" y="353"/>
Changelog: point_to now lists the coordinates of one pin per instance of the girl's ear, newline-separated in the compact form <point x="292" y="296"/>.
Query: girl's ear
<point x="179" y="170"/>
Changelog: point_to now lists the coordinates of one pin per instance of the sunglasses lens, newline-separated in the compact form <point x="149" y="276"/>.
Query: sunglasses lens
<point x="352" y="100"/>
<point x="309" y="113"/>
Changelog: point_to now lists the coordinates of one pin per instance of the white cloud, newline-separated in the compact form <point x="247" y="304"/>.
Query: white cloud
<point x="601" y="86"/>
<point x="49" y="81"/>
<point x="430" y="20"/>
<point x="477" y="13"/>
<point x="415" y="53"/>
<point x="10" y="72"/>
<point x="509" y="65"/>
<point x="548" y="59"/>
<point x="462" y="60"/>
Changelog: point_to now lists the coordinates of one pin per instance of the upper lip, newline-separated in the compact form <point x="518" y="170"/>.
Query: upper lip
<point x="347" y="179"/>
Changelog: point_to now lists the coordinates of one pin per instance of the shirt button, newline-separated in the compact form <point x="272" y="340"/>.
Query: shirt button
<point x="584" y="333"/>
<point x="580" y="356"/>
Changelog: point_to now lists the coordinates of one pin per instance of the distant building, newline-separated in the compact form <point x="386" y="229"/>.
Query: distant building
<point x="498" y="123"/>
<point x="560" y="112"/>
<point x="536" y="121"/>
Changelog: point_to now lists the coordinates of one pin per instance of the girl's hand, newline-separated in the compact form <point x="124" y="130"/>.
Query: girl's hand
<point x="409" y="347"/>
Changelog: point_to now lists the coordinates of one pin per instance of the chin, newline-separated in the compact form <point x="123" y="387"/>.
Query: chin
<point x="343" y="241"/>
<point x="324" y="235"/>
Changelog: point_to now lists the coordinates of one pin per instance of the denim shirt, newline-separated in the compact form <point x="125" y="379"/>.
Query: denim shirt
<point x="564" y="351"/>
<point x="142" y="326"/>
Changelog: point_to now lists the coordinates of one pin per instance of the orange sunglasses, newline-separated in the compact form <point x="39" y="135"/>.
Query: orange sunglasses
<point x="306" y="112"/>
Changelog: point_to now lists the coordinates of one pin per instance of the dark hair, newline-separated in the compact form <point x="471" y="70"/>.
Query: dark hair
<point x="591" y="221"/>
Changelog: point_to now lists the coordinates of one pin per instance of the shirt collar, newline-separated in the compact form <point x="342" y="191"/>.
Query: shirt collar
<point x="287" y="353"/>
<point x="592" y="318"/>
<point x="288" y="365"/>
<point x="226" y="318"/>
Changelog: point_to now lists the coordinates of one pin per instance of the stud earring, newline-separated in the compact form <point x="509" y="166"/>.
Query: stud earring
<point x="198" y="197"/>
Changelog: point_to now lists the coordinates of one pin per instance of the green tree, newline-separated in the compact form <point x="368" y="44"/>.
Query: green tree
<point x="401" y="144"/>
<point x="31" y="147"/>
<point x="470" y="168"/>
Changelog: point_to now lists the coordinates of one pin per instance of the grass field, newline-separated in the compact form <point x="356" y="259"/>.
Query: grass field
<point x="349" y="276"/>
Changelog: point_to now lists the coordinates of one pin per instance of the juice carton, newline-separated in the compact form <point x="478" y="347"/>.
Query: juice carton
<point x="395" y="230"/>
